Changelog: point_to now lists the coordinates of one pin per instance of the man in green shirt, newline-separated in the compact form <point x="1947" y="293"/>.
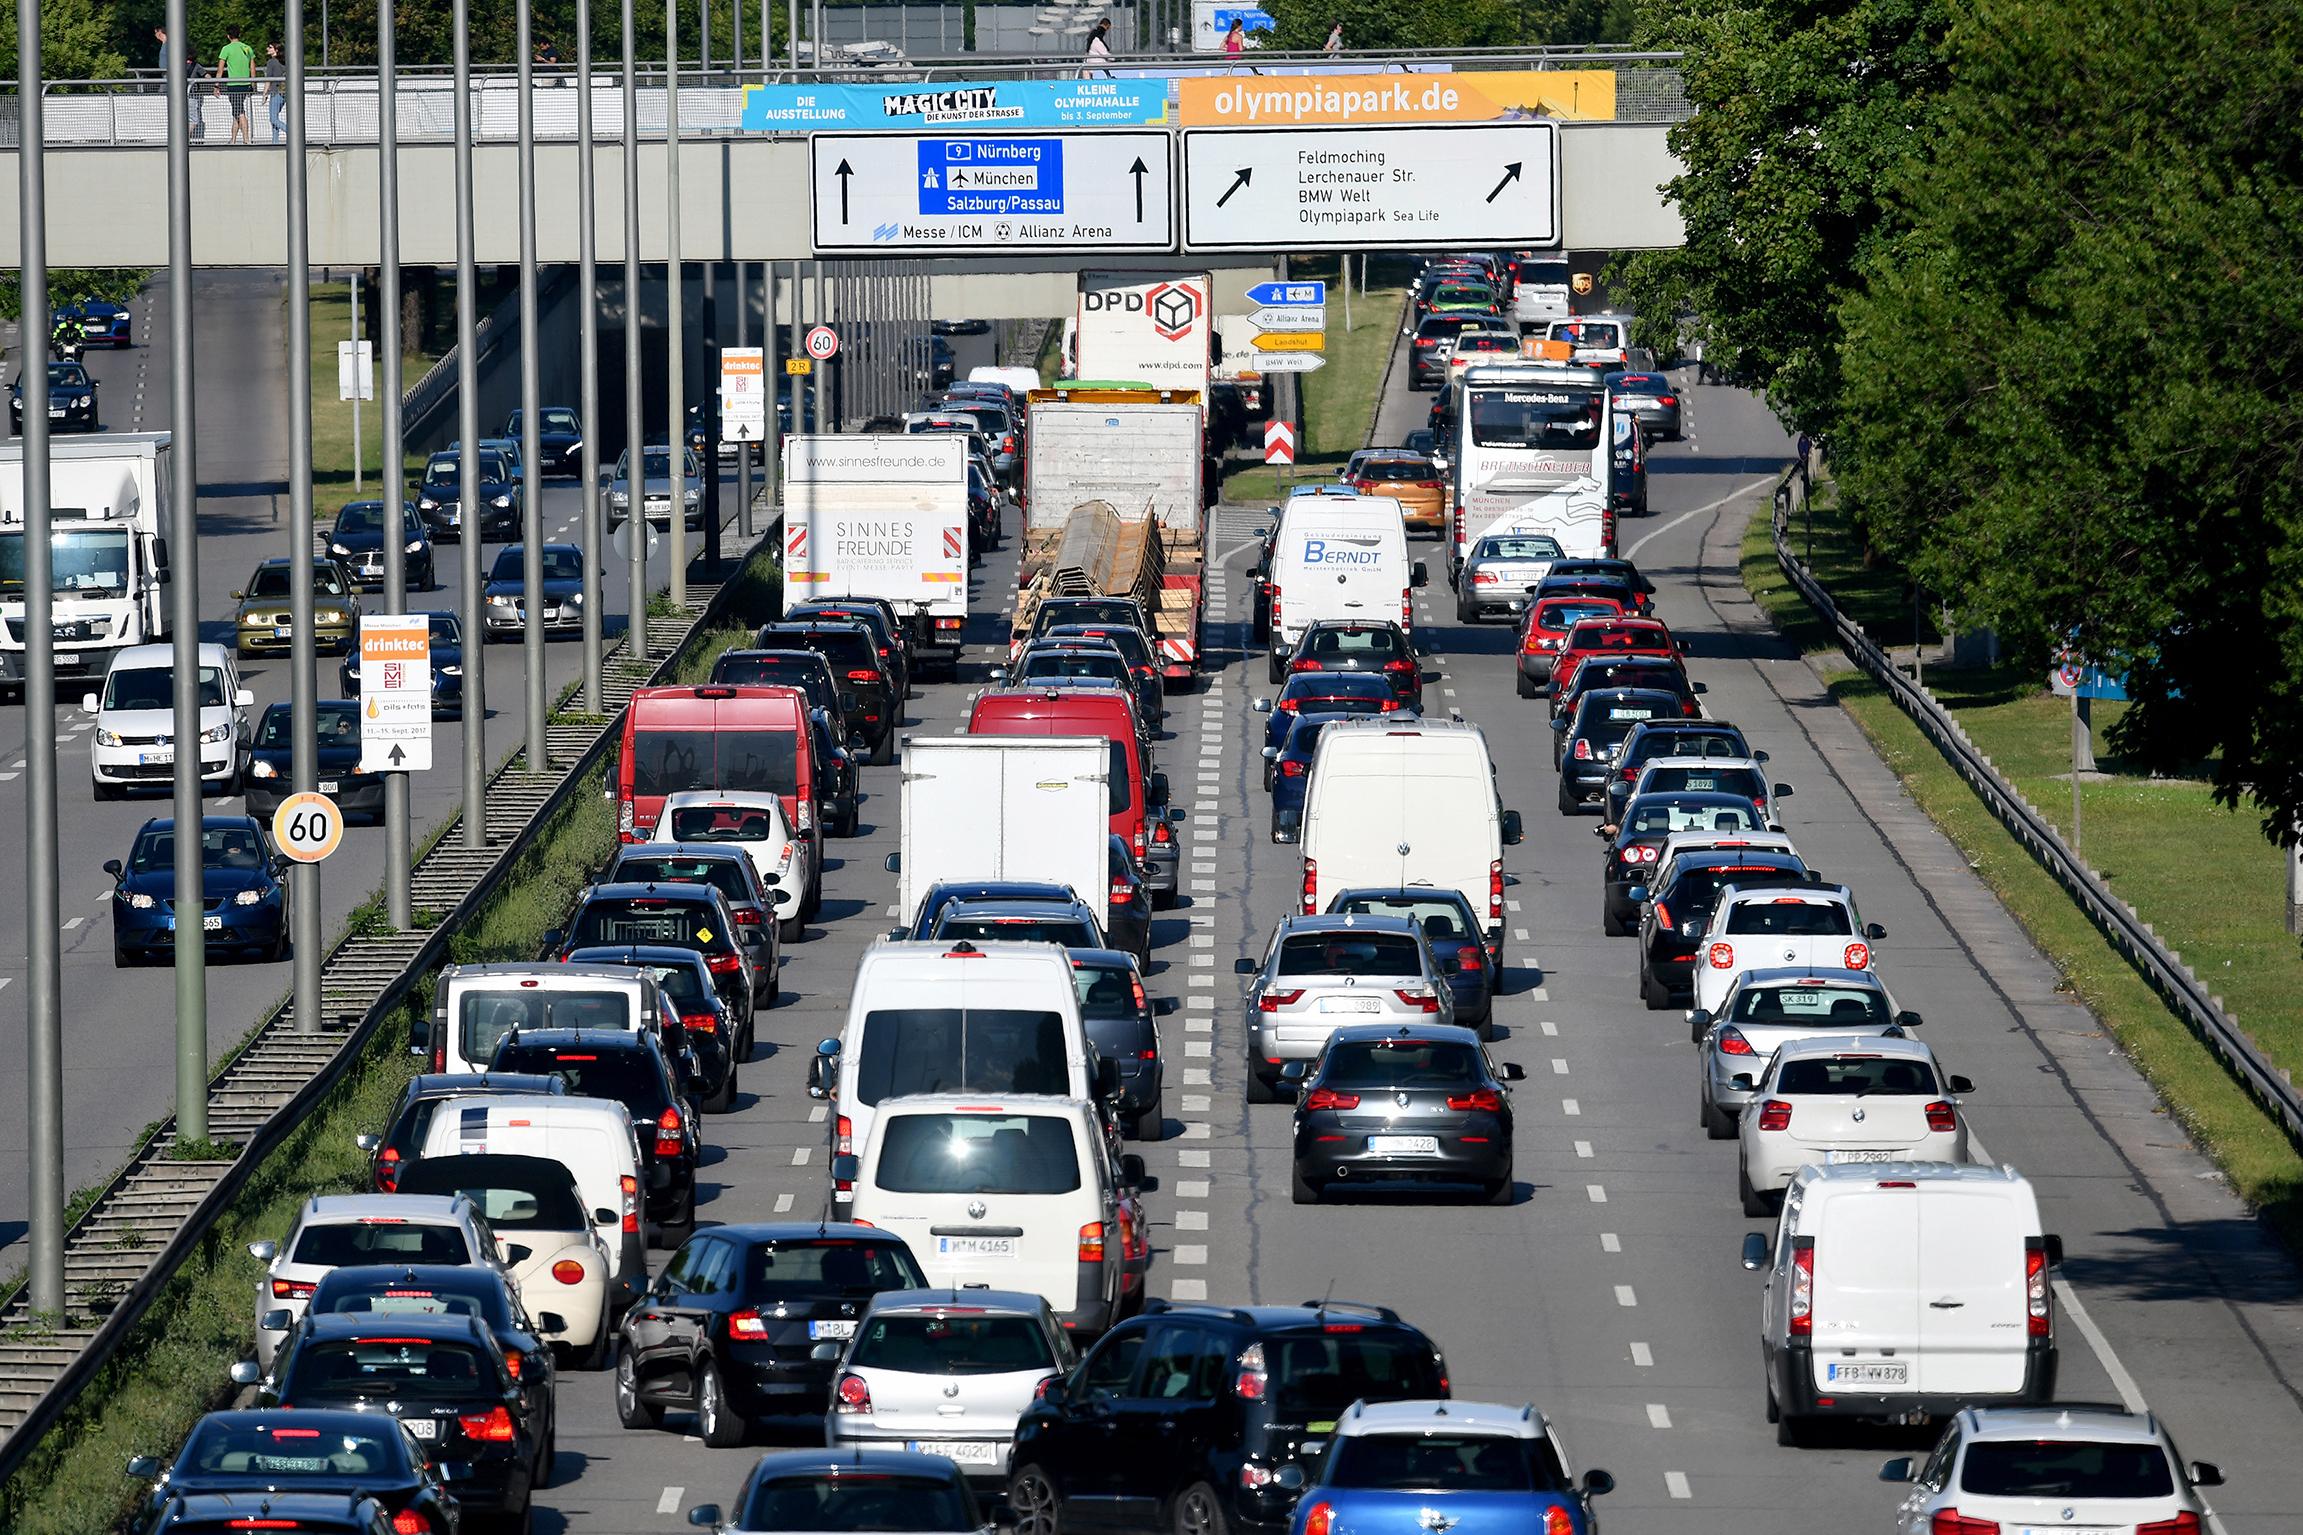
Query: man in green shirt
<point x="236" y="68"/>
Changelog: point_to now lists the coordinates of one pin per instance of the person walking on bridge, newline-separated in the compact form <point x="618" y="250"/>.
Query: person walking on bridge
<point x="276" y="90"/>
<point x="236" y="69"/>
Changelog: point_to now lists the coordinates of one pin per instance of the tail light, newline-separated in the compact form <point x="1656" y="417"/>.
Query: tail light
<point x="747" y="917"/>
<point x="1667" y="399"/>
<point x="1121" y="890"/>
<point x="1291" y="769"/>
<point x="1472" y="960"/>
<point x="2185" y="1523"/>
<point x="1406" y="608"/>
<point x="669" y="1142"/>
<point x="704" y="1022"/>
<point x="1722" y="956"/>
<point x="1558" y="1521"/>
<point x="1305" y="665"/>
<point x="1251" y="1384"/>
<point x="1163" y="834"/>
<point x="1582" y="749"/>
<point x="2038" y="1319"/>
<point x="1274" y="607"/>
<point x="843" y="1145"/>
<point x="948" y="623"/>
<point x="291" y="1289"/>
<point x="512" y="1364"/>
<point x="863" y="674"/>
<point x="491" y="1427"/>
<point x="1775" y="1114"/>
<point x="1319" y="1519"/>
<point x="1428" y="485"/>
<point x="1732" y="1042"/>
<point x="1329" y="1098"/>
<point x="408" y="1522"/>
<point x="624" y="825"/>
<point x="1288" y="705"/>
<point x="747" y="1327"/>
<point x="1485" y="1100"/>
<point x="1092" y="1242"/>
<point x="1856" y="957"/>
<point x="1008" y="444"/>
<point x="568" y="1271"/>
<point x="1950" y="1521"/>
<point x="629" y="1186"/>
<point x="1494" y="888"/>
<point x="1533" y="643"/>
<point x="1139" y="841"/>
<point x="1662" y="917"/>
<point x="1485" y="578"/>
<point x="1803" y="1287"/>
<point x="1311" y="887"/>
<point x="724" y="964"/>
<point x="1421" y="1000"/>
<point x="852" y="1395"/>
<point x="1399" y="664"/>
<point x="387" y="1170"/>
<point x="439" y="1048"/>
<point x="1941" y="1117"/>
<point x="1273" y="1001"/>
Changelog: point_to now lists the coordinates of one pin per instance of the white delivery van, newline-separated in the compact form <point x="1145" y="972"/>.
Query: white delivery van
<point x="1902" y="1289"/>
<point x="1005" y="807"/>
<point x="1406" y="804"/>
<point x="1022" y="380"/>
<point x="475" y="1006"/>
<point x="1338" y="557"/>
<point x="1017" y="1192"/>
<point x="953" y="1018"/>
<point x="592" y="1138"/>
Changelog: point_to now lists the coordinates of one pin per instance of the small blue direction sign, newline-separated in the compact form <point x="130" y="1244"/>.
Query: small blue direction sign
<point x="1280" y="295"/>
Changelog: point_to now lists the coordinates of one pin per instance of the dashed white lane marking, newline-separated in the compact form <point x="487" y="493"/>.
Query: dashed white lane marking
<point x="669" y="1503"/>
<point x="1643" y="1356"/>
<point x="1199" y="1025"/>
<point x="783" y="1203"/>
<point x="1675" y="1482"/>
<point x="1195" y="1103"/>
<point x="1191" y="1220"/>
<point x="816" y="1114"/>
<point x="1519" y="935"/>
<point x="1570" y="1107"/>
<point x="4" y="980"/>
<point x="799" y="1156"/>
<point x="73" y="922"/>
<point x="1192" y="1159"/>
<point x="1195" y="1076"/>
<point x="1597" y="1193"/>
<point x="1196" y="1132"/>
<point x="1626" y="1296"/>
<point x="1192" y="1255"/>
<point x="1658" y="1415"/>
<point x="7" y="777"/>
<point x="1559" y="1066"/>
<point x="1511" y="906"/>
<point x="1550" y="1029"/>
<point x="1192" y="1188"/>
<point x="1583" y="1149"/>
<point x="1609" y="1242"/>
<point x="1188" y="1289"/>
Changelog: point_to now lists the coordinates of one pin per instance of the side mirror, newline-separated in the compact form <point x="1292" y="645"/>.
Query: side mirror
<point x="1512" y="828"/>
<point x="704" y="1515"/>
<point x="999" y="674"/>
<point x="603" y="1216"/>
<point x="367" y="1142"/>
<point x="247" y="1372"/>
<point x="551" y="1321"/>
<point x="1288" y="1479"/>
<point x="552" y="937"/>
<point x="1559" y="722"/>
<point x="88" y="703"/>
<point x="1908" y="1020"/>
<point x="263" y="1252"/>
<point x="240" y="596"/>
<point x="893" y="863"/>
<point x="1759" y="756"/>
<point x="1270" y="754"/>
<point x="1782" y="790"/>
<point x="774" y="880"/>
<point x="244" y="699"/>
<point x="276" y="1320"/>
<point x="514" y="1253"/>
<point x="1156" y="788"/>
<point x="1260" y="706"/>
<point x="1699" y="1018"/>
<point x="1603" y="832"/>
<point x="1417" y="575"/>
<point x="1754" y="1250"/>
<point x="1874" y="931"/>
<point x="2054" y="1246"/>
<point x="1176" y="817"/>
<point x="1055" y="1389"/>
<point x="2205" y="1473"/>
<point x="146" y="1468"/>
<point x="1900" y="1469"/>
<point x="828" y="1352"/>
<point x="1244" y="967"/>
<point x="112" y="865"/>
<point x="1637" y="895"/>
<point x="1742" y="1082"/>
<point x="1597" y="1483"/>
<point x="1699" y="687"/>
<point x="1962" y="1086"/>
<point x="1514" y="1072"/>
<point x="1132" y="1170"/>
<point x="846" y="1168"/>
<point x="1295" y="1072"/>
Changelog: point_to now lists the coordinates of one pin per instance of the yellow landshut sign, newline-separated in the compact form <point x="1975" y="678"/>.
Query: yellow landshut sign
<point x="1291" y="341"/>
<point x="1471" y="96"/>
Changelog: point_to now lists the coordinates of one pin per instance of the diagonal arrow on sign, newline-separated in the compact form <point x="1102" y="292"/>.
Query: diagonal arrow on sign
<point x="1510" y="175"/>
<point x="1245" y="175"/>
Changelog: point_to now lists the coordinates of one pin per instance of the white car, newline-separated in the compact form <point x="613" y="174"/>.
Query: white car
<point x="135" y="740"/>
<point x="1764" y="1008"/>
<point x="336" y="1231"/>
<point x="1780" y="925"/>
<point x="944" y="1372"/>
<point x="787" y="864"/>
<point x="2053" y="1468"/>
<point x="1843" y="1098"/>
<point x="1744" y="776"/>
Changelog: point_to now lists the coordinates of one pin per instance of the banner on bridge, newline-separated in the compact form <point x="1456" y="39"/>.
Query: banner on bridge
<point x="1481" y="96"/>
<point x="980" y="104"/>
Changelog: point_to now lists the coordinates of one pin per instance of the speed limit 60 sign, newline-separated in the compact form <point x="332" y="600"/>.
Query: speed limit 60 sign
<point x="308" y="826"/>
<point x="823" y="343"/>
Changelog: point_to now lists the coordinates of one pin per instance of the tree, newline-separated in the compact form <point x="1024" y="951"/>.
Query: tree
<point x="73" y="285"/>
<point x="1378" y="24"/>
<point x="75" y="42"/>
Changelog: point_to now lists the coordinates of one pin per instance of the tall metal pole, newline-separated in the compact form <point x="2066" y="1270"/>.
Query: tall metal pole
<point x="356" y="464"/>
<point x="183" y="600"/>
<point x="772" y="439"/>
<point x="43" y="993"/>
<point x="303" y="654"/>
<point x="391" y="483"/>
<point x="704" y="35"/>
<point x="588" y="242"/>
<point x="821" y="374"/>
<point x="468" y="434"/>
<point x="791" y="39"/>
<point x="736" y="36"/>
<point x="744" y="339"/>
<point x="635" y="424"/>
<point x="803" y="415"/>
<point x="675" y="348"/>
<point x="531" y="429"/>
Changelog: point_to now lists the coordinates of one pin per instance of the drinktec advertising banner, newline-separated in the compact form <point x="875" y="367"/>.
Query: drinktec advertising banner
<point x="958" y="104"/>
<point x="1486" y="96"/>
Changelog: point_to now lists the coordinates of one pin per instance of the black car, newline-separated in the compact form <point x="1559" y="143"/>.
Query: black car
<point x="228" y="1513"/>
<point x="944" y="892"/>
<point x="71" y="399"/>
<point x="1390" y="1104"/>
<point x="447" y="1289"/>
<point x="447" y="666"/>
<point x="1350" y="645"/>
<point x="709" y="1033"/>
<point x="1118" y="1015"/>
<point x="1680" y="737"/>
<point x="888" y="634"/>
<point x="1455" y="936"/>
<point x="1584" y="741"/>
<point x="1635" y="842"/>
<point x="1617" y="572"/>
<point x="836" y="750"/>
<point x="411" y="1121"/>
<point x="446" y="1377"/>
<point x="1627" y="486"/>
<point x="439" y="495"/>
<point x="1672" y="918"/>
<point x="869" y="701"/>
<point x="1071" y="923"/>
<point x="727" y="867"/>
<point x="735" y="1328"/>
<point x="1287" y="771"/>
<point x="1061" y="612"/>
<point x="1606" y="673"/>
<point x="271" y="760"/>
<point x="357" y="543"/>
<point x="367" y="1456"/>
<point x="1430" y="346"/>
<point x="1129" y="926"/>
<point x="686" y="916"/>
<point x="504" y="600"/>
<point x="1228" y="1394"/>
<point x="559" y="440"/>
<point x="630" y="1068"/>
<point x="851" y="1490"/>
<point x="1317" y="692"/>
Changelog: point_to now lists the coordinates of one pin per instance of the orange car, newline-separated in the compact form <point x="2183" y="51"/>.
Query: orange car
<point x="1411" y="479"/>
<point x="1613" y="638"/>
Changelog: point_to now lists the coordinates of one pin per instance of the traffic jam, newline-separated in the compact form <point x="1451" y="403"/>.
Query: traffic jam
<point x="865" y="1117"/>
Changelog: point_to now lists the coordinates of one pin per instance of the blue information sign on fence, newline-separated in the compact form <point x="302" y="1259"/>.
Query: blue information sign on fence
<point x="1284" y="295"/>
<point x="991" y="176"/>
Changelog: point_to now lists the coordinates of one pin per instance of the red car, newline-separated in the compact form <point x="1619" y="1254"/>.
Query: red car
<point x="1610" y="637"/>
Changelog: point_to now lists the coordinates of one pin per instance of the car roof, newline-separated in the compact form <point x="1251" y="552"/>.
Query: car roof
<point x="1699" y="762"/>
<point x="717" y="852"/>
<point x="1349" y="922"/>
<point x="2097" y="1420"/>
<point x="1101" y="959"/>
<point x="1308" y="1313"/>
<point x="456" y="1278"/>
<point x="1778" y="975"/>
<point x="630" y="890"/>
<point x="633" y="1041"/>
<point x="1452" y="1414"/>
<point x="804" y="1231"/>
<point x="543" y="972"/>
<point x="1814" y="894"/>
<point x="1021" y="1302"/>
<point x="448" y="1328"/>
<point x="139" y="656"/>
<point x="990" y="1103"/>
<point x="1376" y="1033"/>
<point x="1412" y="892"/>
<point x="1011" y="906"/>
<point x="1902" y="1045"/>
<point x="837" y="1463"/>
<point x="471" y="1084"/>
<point x="1006" y="889"/>
<point x="332" y="1208"/>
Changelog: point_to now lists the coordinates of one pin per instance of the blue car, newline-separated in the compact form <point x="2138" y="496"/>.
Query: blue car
<point x="447" y="667"/>
<point x="246" y="903"/>
<point x="945" y="891"/>
<point x="1468" y="1468"/>
<point x="271" y="765"/>
<point x="1328" y="693"/>
<point x="357" y="544"/>
<point x="101" y="322"/>
<point x="504" y="609"/>
<point x="1287" y="772"/>
<point x="1455" y="936"/>
<point x="559" y="440"/>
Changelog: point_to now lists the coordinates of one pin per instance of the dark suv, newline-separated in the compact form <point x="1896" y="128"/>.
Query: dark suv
<point x="1673" y="915"/>
<point x="869" y="701"/>
<point x="1230" y="1395"/>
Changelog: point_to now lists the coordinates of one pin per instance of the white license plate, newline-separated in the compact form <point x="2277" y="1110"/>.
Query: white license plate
<point x="55" y="410"/>
<point x="331" y="785"/>
<point x="422" y="1428"/>
<point x="822" y="1330"/>
<point x="211" y="924"/>
<point x="156" y="759"/>
<point x="976" y="1247"/>
<point x="1832" y="1158"/>
<point x="966" y="1452"/>
<point x="1348" y="1004"/>
<point x="1893" y="1372"/>
<point x="1404" y="1145"/>
<point x="283" y="632"/>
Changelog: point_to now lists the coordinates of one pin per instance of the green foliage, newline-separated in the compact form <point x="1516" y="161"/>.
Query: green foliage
<point x="73" y="285"/>
<point x="968" y="26"/>
<point x="1379" y="24"/>
<point x="77" y="42"/>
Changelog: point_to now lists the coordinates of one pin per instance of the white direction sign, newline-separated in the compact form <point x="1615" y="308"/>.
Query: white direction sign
<point x="743" y="394"/>
<point x="1288" y="319"/>
<point x="1289" y="362"/>
<point x="882" y="193"/>
<point x="395" y="693"/>
<point x="1403" y="188"/>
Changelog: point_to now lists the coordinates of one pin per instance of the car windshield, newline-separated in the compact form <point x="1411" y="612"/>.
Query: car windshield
<point x="630" y="1077"/>
<point x="559" y="564"/>
<point x="279" y="1448"/>
<point x="1659" y="672"/>
<point x="443" y="469"/>
<point x="384" y="1239"/>
<point x="512" y="1193"/>
<point x="547" y="420"/>
<point x="1523" y="546"/>
<point x="1316" y="1375"/>
<point x="1389" y="1063"/>
<point x="1535" y="415"/>
<point x="273" y="582"/>
<point x="336" y="724"/>
<point x="1823" y="1006"/>
<point x="1790" y="916"/>
<point x="687" y="986"/>
<point x="368" y="517"/>
<point x="1703" y="780"/>
<point x="725" y="875"/>
<point x="1587" y="333"/>
<point x="1443" y="1463"/>
<point x="1856" y="1076"/>
<point x="1439" y="918"/>
<point x="1338" y="694"/>
<point x="238" y="848"/>
<point x="1343" y="953"/>
<point x="150" y="687"/>
<point x="723" y="823"/>
<point x="860" y="1502"/>
<point x="745" y="761"/>
<point x="994" y="1153"/>
<point x="1303" y="736"/>
<point x="942" y="1343"/>
<point x="959" y="1050"/>
<point x="2065" y="1468"/>
<point x="1656" y="816"/>
<point x="484" y="1017"/>
<point x="402" y="1369"/>
<point x="446" y="630"/>
<point x="1071" y="932"/>
<point x="658" y="464"/>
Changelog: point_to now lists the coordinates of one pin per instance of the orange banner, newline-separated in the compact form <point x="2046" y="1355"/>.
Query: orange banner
<point x="1486" y="96"/>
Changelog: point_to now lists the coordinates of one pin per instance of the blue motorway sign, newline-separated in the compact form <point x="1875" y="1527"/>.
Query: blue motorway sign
<point x="994" y="176"/>
<point x="1283" y="295"/>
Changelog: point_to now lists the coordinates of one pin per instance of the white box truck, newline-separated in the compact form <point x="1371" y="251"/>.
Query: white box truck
<point x="1152" y="329"/>
<point x="882" y="516"/>
<point x="1005" y="807"/>
<point x="108" y="565"/>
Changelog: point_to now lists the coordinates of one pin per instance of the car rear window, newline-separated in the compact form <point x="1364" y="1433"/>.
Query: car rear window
<point x="746" y="761"/>
<point x="483" y="1018"/>
<point x="860" y="1502"/>
<point x="285" y="1450"/>
<point x="1701" y="886"/>
<point x="1350" y="954"/>
<point x="1690" y="743"/>
<point x="1704" y="780"/>
<point x="1559" y="617"/>
<point x="1107" y="991"/>
<point x="512" y="1193"/>
<point x="1790" y="917"/>
<point x="1075" y="663"/>
<point x="1352" y="642"/>
<point x="739" y="669"/>
<point x="1534" y="546"/>
<point x="959" y="1050"/>
<point x="1604" y="635"/>
<point x="1071" y="932"/>
<point x="722" y="874"/>
<point x="2065" y="1468"/>
<point x="688" y="924"/>
<point x="1444" y="325"/>
<point x="1378" y="1063"/>
<point x="1437" y="918"/>
<point x="403" y="1369"/>
<point x="404" y="1300"/>
<point x="1053" y="614"/>
<point x="1850" y="1075"/>
<point x="630" y="1077"/>
<point x="922" y="1343"/>
<point x="1443" y="1462"/>
<point x="1836" y="1006"/>
<point x="978" y="1154"/>
<point x="1394" y="469"/>
<point x="846" y="649"/>
<point x="834" y="1266"/>
<point x="360" y="1244"/>
<point x="1315" y="1375"/>
<point x="1664" y="817"/>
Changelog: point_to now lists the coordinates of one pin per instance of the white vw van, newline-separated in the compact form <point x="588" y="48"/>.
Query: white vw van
<point x="475" y="1006"/>
<point x="1338" y="556"/>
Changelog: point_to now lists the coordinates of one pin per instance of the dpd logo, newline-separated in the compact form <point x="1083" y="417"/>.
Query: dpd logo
<point x="1174" y="309"/>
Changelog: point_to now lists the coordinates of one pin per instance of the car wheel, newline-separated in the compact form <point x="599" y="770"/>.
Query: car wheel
<point x="791" y="930"/>
<point x="1258" y="1090"/>
<point x="1151" y="1124"/>
<point x="1754" y="1202"/>
<point x="1032" y="1503"/>
<point x="1570" y="803"/>
<point x="632" y="1410"/>
<point x="1302" y="1191"/>
<point x="1611" y="924"/>
<point x="102" y="790"/>
<point x="1651" y="991"/>
<point x="1527" y="688"/>
<point x="1501" y="1190"/>
<point x="884" y="750"/>
<point x="124" y="959"/>
<point x="1198" y="1513"/>
<point x="725" y="1099"/>
<point x="1278" y="667"/>
<point x="1716" y="1125"/>
<point x="718" y="1426"/>
<point x="1466" y="610"/>
<point x="1790" y="1432"/>
<point x="595" y="1354"/>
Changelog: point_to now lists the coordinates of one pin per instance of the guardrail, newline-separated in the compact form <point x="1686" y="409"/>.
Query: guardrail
<point x="2163" y="967"/>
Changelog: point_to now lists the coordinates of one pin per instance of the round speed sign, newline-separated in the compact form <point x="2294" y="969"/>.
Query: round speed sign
<point x="308" y="827"/>
<point x="823" y="343"/>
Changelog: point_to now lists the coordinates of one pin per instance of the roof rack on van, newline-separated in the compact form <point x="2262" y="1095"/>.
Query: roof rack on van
<point x="1380" y="1313"/>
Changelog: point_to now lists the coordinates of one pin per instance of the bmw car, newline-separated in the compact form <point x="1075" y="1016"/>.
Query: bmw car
<point x="440" y="496"/>
<point x="505" y="598"/>
<point x="559" y="440"/>
<point x="357" y="543"/>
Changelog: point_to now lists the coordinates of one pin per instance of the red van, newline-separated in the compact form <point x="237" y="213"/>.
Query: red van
<point x="1139" y="796"/>
<point x="717" y="736"/>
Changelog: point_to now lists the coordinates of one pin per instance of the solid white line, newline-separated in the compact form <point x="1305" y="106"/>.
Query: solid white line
<point x="669" y="1503"/>
<point x="1658" y="1415"/>
<point x="1709" y="506"/>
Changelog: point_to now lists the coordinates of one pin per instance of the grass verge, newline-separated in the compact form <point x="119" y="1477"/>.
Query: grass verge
<point x="1338" y="399"/>
<point x="2151" y="839"/>
<point x="332" y="455"/>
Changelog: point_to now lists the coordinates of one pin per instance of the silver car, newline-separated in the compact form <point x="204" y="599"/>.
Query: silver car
<point x="1765" y="1007"/>
<point x="336" y="1231"/>
<point x="1320" y="973"/>
<point x="656" y="486"/>
<point x="947" y="1372"/>
<point x="1501" y="572"/>
<point x="2064" y="1467"/>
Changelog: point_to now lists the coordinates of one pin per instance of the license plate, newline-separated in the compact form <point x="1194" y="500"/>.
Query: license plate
<point x="55" y="410"/>
<point x="1832" y="1158"/>
<point x="1404" y="1145"/>
<point x="966" y="1452"/>
<point x="331" y="785"/>
<point x="1348" y="1004"/>
<point x="976" y="1247"/>
<point x="1701" y="785"/>
<point x="283" y="632"/>
<point x="211" y="924"/>
<point x="156" y="759"/>
<point x="822" y="1330"/>
<point x="1894" y="1372"/>
<point x="422" y="1428"/>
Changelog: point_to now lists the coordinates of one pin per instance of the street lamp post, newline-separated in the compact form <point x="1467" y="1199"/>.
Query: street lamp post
<point x="303" y="654"/>
<point x="468" y="436"/>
